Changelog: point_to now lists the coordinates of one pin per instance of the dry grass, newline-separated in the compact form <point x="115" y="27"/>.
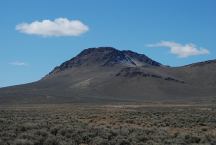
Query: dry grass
<point x="107" y="125"/>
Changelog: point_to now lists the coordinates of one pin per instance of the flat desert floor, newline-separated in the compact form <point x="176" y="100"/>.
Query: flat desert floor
<point x="82" y="124"/>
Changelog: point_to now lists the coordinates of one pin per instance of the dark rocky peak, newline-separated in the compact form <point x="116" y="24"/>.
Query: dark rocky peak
<point x="101" y="56"/>
<point x="106" y="57"/>
<point x="141" y="58"/>
<point x="95" y="50"/>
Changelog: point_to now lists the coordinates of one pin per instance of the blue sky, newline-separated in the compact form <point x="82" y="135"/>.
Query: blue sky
<point x="161" y="29"/>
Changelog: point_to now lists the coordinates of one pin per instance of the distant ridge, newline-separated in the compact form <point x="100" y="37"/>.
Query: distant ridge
<point x="202" y="63"/>
<point x="106" y="74"/>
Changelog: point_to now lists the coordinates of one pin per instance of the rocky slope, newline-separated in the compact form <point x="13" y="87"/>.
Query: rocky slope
<point x="106" y="75"/>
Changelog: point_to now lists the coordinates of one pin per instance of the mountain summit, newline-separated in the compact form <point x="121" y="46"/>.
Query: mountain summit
<point x="105" y="74"/>
<point x="106" y="57"/>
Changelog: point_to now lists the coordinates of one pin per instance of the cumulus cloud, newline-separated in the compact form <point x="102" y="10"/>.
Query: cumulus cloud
<point x="18" y="63"/>
<point x="181" y="50"/>
<point x="57" y="27"/>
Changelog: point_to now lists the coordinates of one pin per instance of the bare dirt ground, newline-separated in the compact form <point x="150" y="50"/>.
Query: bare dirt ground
<point x="131" y="124"/>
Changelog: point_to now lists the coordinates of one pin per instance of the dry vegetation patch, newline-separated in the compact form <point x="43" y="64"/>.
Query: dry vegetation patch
<point x="107" y="125"/>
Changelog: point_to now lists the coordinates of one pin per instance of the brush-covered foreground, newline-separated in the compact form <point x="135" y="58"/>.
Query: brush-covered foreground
<point x="107" y="125"/>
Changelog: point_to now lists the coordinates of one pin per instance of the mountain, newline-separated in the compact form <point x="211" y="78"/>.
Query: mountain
<point x="105" y="74"/>
<point x="106" y="57"/>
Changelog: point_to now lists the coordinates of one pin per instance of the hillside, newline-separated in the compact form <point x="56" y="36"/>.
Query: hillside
<point x="106" y="74"/>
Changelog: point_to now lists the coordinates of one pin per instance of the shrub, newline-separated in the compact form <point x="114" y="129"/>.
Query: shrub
<point x="192" y="139"/>
<point x="51" y="140"/>
<point x="23" y="142"/>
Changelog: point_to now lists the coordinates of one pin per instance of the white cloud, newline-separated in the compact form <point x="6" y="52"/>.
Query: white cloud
<point x="181" y="50"/>
<point x="57" y="27"/>
<point x="18" y="63"/>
